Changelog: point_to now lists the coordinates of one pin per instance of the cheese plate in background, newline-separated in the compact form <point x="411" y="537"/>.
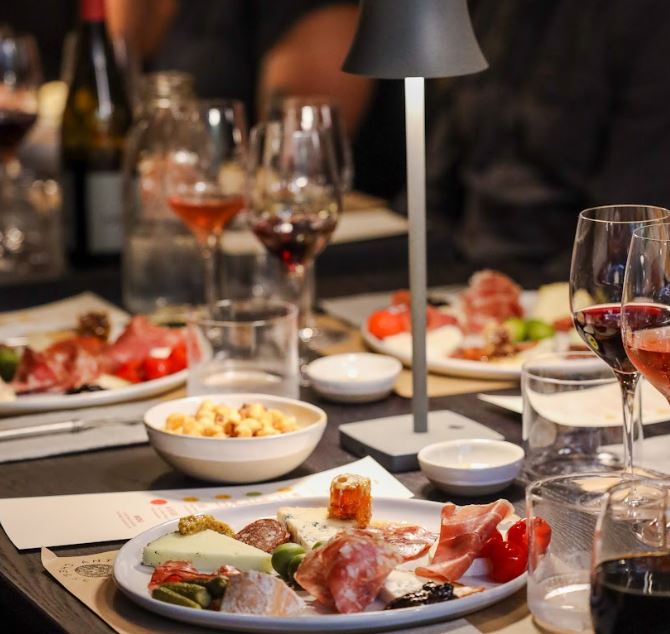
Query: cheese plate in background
<point x="593" y="407"/>
<point x="132" y="578"/>
<point x="439" y="348"/>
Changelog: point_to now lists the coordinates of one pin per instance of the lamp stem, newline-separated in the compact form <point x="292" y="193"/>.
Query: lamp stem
<point x="415" y="129"/>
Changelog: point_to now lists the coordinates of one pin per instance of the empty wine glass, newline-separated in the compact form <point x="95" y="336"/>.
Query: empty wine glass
<point x="295" y="202"/>
<point x="596" y="286"/>
<point x="320" y="113"/>
<point x="205" y="178"/>
<point x="20" y="77"/>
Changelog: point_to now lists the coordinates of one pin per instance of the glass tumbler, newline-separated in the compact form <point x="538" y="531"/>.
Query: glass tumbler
<point x="558" y="576"/>
<point x="571" y="414"/>
<point x="248" y="346"/>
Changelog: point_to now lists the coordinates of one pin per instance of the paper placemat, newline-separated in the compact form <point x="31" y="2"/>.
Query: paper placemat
<point x="438" y="385"/>
<point x="593" y="407"/>
<point x="61" y="520"/>
<point x="89" y="579"/>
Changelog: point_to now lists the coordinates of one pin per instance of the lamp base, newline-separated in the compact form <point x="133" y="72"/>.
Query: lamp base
<point x="393" y="442"/>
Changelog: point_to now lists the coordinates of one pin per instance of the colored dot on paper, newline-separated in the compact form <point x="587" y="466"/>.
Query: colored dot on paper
<point x="190" y="498"/>
<point x="253" y="494"/>
<point x="284" y="489"/>
<point x="222" y="496"/>
<point x="158" y="501"/>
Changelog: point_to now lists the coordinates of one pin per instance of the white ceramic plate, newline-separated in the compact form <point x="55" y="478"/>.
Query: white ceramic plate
<point x="50" y="402"/>
<point x="132" y="579"/>
<point x="505" y="369"/>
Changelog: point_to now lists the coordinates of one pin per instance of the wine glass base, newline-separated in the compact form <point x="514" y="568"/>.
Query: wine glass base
<point x="322" y="337"/>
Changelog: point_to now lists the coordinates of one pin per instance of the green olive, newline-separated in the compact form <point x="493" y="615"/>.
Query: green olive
<point x="538" y="329"/>
<point x="283" y="554"/>
<point x="293" y="566"/>
<point x="318" y="545"/>
<point x="517" y="329"/>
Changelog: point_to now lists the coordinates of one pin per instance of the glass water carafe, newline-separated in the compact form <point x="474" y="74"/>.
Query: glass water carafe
<point x="161" y="265"/>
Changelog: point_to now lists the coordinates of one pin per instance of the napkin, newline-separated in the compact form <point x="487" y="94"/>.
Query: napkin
<point x="89" y="579"/>
<point x="114" y="435"/>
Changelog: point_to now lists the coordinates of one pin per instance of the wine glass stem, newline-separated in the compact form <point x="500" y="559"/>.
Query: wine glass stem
<point x="209" y="256"/>
<point x="303" y="298"/>
<point x="628" y="382"/>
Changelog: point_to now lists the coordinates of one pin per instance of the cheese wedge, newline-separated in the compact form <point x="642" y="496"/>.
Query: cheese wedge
<point x="207" y="551"/>
<point x="309" y="526"/>
<point x="257" y="593"/>
<point x="399" y="583"/>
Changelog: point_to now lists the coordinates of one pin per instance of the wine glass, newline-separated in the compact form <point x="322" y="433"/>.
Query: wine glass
<point x="596" y="285"/>
<point x="20" y="77"/>
<point x="295" y="202"/>
<point x="205" y="178"/>
<point x="630" y="572"/>
<point x="320" y="113"/>
<point x="645" y="313"/>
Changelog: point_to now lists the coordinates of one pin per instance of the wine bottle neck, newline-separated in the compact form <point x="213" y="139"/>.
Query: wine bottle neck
<point x="92" y="10"/>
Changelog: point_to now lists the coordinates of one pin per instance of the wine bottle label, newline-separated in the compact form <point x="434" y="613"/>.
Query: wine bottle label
<point x="103" y="204"/>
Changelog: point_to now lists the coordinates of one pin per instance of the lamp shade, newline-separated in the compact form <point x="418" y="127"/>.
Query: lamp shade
<point x="414" y="38"/>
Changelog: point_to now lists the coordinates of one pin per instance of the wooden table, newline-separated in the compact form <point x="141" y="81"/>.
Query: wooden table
<point x="30" y="600"/>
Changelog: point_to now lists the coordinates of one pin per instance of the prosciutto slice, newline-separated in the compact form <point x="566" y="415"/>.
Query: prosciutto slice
<point x="348" y="572"/>
<point x="464" y="531"/>
<point x="138" y="339"/>
<point x="408" y="540"/>
<point x="490" y="297"/>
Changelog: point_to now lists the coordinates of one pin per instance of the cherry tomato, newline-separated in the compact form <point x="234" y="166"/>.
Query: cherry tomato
<point x="385" y="323"/>
<point x="130" y="371"/>
<point x="517" y="534"/>
<point x="401" y="297"/>
<point x="155" y="368"/>
<point x="508" y="561"/>
<point x="178" y="358"/>
<point x="489" y="544"/>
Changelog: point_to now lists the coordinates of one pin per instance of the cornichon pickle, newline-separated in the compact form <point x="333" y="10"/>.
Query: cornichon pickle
<point x="217" y="586"/>
<point x="170" y="596"/>
<point x="191" y="591"/>
<point x="282" y="555"/>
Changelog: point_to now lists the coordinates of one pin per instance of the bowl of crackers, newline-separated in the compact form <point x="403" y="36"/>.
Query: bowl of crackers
<point x="235" y="438"/>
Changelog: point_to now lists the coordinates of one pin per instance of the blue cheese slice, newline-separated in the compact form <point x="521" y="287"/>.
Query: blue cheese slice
<point x="309" y="526"/>
<point x="207" y="551"/>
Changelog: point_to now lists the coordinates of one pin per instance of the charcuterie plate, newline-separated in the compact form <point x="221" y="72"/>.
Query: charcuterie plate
<point x="132" y="578"/>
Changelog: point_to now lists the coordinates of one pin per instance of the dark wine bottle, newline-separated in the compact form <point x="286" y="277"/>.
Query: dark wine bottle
<point x="96" y="119"/>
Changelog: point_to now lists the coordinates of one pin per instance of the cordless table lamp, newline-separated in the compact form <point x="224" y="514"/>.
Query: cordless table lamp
<point x="411" y="40"/>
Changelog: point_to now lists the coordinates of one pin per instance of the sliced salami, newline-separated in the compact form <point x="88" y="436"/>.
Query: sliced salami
<point x="348" y="572"/>
<point x="265" y="534"/>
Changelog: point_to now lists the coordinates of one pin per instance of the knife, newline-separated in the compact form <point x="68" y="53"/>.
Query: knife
<point x="63" y="427"/>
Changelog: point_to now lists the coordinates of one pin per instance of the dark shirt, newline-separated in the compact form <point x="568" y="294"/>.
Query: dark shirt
<point x="573" y="112"/>
<point x="222" y="43"/>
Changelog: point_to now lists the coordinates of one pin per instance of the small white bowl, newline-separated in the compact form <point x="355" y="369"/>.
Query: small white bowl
<point x="357" y="377"/>
<point x="471" y="467"/>
<point x="238" y="460"/>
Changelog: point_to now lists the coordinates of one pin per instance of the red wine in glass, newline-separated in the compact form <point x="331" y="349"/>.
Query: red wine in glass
<point x="295" y="238"/>
<point x="632" y="594"/>
<point x="14" y="124"/>
<point x="206" y="215"/>
<point x="600" y="328"/>
<point x="647" y="343"/>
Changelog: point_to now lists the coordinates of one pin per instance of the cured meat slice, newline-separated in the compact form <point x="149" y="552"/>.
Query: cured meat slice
<point x="490" y="297"/>
<point x="265" y="534"/>
<point x="138" y="339"/>
<point x="463" y="533"/>
<point x="409" y="541"/>
<point x="348" y="572"/>
<point x="174" y="571"/>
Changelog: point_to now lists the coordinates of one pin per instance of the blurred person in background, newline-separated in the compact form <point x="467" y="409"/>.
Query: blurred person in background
<point x="572" y="113"/>
<point x="261" y="50"/>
